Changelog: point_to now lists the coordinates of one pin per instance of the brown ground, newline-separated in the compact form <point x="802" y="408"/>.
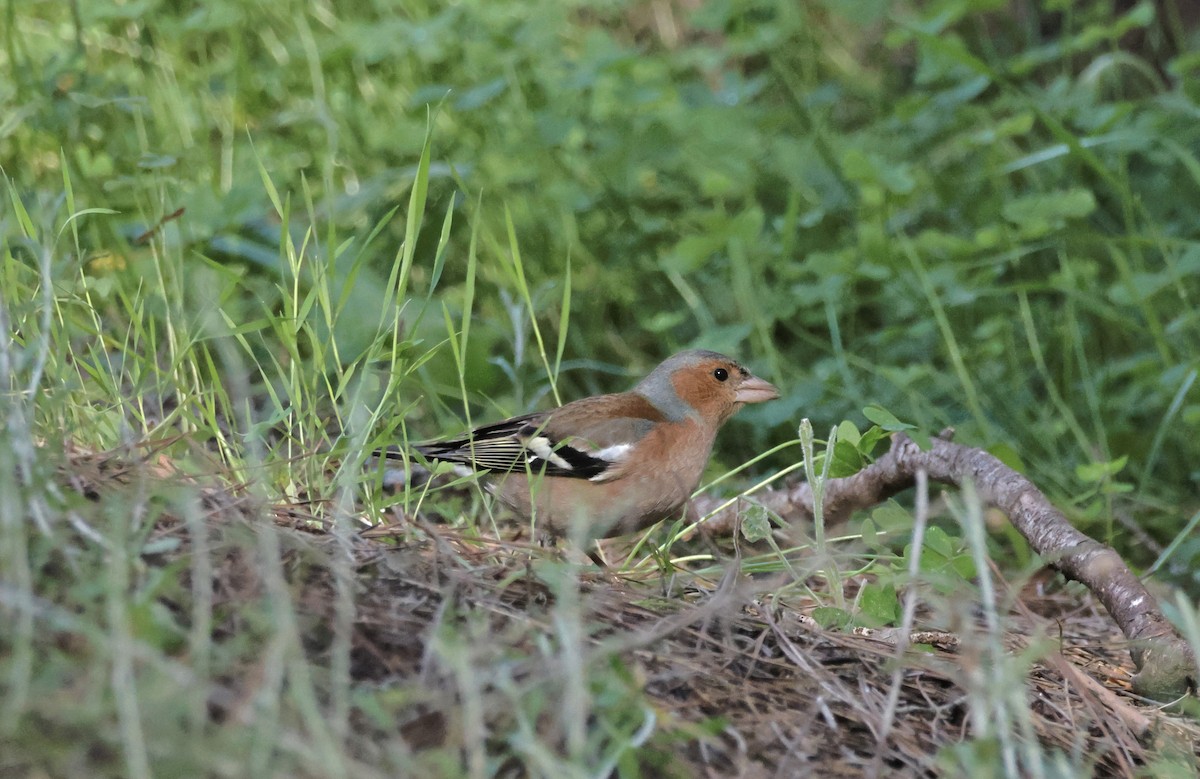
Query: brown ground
<point x="790" y="699"/>
<point x="742" y="681"/>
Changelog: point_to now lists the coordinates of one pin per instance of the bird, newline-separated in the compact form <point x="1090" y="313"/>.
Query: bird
<point x="613" y="464"/>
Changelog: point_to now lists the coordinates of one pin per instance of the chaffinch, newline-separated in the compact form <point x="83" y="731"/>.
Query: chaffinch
<point x="614" y="463"/>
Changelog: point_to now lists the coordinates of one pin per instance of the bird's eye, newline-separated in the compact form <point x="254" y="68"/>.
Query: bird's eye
<point x="720" y="374"/>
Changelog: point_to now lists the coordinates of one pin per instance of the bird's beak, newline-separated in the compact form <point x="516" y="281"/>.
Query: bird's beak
<point x="755" y="390"/>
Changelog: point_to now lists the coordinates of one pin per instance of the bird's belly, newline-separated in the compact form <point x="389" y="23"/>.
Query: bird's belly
<point x="579" y="508"/>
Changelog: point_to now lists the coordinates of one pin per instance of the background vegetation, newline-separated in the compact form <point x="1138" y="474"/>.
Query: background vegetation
<point x="270" y="237"/>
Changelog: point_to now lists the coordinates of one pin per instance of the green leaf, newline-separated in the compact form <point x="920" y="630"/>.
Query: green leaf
<point x="1008" y="455"/>
<point x="939" y="541"/>
<point x="756" y="523"/>
<point x="878" y="605"/>
<point x="691" y="252"/>
<point x="869" y="534"/>
<point x="885" y="419"/>
<point x="847" y="431"/>
<point x="1044" y="212"/>
<point x="847" y="460"/>
<point x="832" y="618"/>
<point x="866" y="444"/>
<point x="943" y="554"/>
<point x="477" y="96"/>
<point x="891" y="424"/>
<point x="1116" y="488"/>
<point x="892" y="516"/>
<point x="964" y="566"/>
<point x="1092" y="473"/>
<point x="921" y="439"/>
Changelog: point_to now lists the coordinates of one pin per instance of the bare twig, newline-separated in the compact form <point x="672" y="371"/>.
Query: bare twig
<point x="1166" y="664"/>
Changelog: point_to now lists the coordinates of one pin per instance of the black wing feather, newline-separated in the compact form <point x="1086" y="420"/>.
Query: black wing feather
<point x="505" y="447"/>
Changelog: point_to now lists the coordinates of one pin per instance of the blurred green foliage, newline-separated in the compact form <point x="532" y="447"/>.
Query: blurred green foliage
<point x="971" y="212"/>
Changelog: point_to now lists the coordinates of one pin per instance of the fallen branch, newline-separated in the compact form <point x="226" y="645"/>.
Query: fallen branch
<point x="1166" y="663"/>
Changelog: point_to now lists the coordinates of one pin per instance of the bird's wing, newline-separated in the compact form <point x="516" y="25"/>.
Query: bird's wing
<point x="587" y="439"/>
